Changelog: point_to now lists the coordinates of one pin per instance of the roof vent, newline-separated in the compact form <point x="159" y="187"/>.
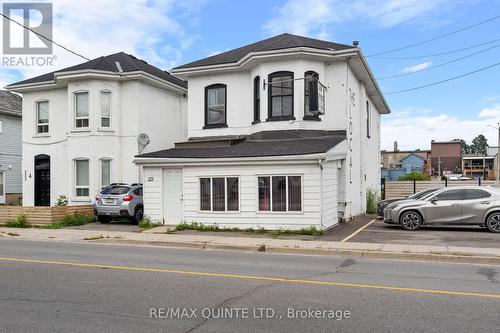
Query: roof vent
<point x="119" y="66"/>
<point x="355" y="43"/>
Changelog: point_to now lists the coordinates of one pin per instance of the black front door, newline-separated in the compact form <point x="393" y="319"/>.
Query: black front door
<point x="42" y="180"/>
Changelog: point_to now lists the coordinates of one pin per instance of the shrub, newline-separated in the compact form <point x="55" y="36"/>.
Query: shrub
<point x="372" y="199"/>
<point x="146" y="223"/>
<point x="21" y="221"/>
<point x="62" y="201"/>
<point x="414" y="175"/>
<point x="72" y="220"/>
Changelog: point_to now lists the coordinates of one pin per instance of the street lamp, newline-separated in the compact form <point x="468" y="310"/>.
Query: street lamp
<point x="498" y="151"/>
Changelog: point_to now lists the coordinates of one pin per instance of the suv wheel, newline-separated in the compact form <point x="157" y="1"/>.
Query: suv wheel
<point x="138" y="214"/>
<point x="103" y="218"/>
<point x="493" y="222"/>
<point x="410" y="220"/>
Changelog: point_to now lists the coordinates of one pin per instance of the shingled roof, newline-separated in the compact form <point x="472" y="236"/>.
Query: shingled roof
<point x="10" y="104"/>
<point x="283" y="41"/>
<point x="128" y="63"/>
<point x="261" y="144"/>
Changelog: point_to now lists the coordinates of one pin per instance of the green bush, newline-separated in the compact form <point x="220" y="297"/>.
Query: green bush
<point x="21" y="221"/>
<point x="62" y="201"/>
<point x="215" y="228"/>
<point x="414" y="175"/>
<point x="72" y="220"/>
<point x="146" y="223"/>
<point x="372" y="199"/>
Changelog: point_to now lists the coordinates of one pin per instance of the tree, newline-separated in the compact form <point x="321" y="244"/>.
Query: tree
<point x="479" y="144"/>
<point x="465" y="146"/>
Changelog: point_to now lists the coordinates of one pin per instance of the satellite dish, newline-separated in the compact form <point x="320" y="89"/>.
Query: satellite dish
<point x="143" y="140"/>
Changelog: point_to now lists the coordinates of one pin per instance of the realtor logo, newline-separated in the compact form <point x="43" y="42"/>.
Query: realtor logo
<point x="35" y="16"/>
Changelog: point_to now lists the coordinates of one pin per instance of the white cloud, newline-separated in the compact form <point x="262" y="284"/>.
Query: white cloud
<point x="416" y="128"/>
<point x="316" y="17"/>
<point x="417" y="68"/>
<point x="149" y="29"/>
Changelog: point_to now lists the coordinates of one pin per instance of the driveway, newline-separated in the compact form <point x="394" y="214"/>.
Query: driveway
<point x="367" y="230"/>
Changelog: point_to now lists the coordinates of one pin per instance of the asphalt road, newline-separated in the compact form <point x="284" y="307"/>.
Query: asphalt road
<point x="62" y="287"/>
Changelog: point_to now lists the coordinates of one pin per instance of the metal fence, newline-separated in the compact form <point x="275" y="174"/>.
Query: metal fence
<point x="395" y="189"/>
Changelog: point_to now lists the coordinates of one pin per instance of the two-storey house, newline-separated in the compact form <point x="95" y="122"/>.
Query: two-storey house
<point x="83" y="125"/>
<point x="10" y="148"/>
<point x="260" y="152"/>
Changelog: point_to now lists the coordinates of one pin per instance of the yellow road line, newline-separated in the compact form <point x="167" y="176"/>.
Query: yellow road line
<point x="358" y="231"/>
<point x="251" y="277"/>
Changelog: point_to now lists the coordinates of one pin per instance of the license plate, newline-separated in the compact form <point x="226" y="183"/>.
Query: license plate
<point x="110" y="201"/>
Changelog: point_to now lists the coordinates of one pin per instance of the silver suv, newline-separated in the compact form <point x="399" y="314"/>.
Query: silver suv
<point x="119" y="200"/>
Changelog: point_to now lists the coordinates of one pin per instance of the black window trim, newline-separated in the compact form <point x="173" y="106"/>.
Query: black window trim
<point x="256" y="100"/>
<point x="269" y="97"/>
<point x="215" y="86"/>
<point x="309" y="117"/>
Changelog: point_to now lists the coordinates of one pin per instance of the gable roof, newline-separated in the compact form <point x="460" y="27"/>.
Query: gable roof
<point x="283" y="41"/>
<point x="260" y="144"/>
<point x="128" y="63"/>
<point x="10" y="104"/>
<point x="410" y="155"/>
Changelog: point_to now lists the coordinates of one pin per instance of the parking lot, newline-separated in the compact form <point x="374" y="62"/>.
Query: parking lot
<point x="367" y="230"/>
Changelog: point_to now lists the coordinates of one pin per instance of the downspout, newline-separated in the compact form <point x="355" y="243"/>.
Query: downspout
<point x="320" y="164"/>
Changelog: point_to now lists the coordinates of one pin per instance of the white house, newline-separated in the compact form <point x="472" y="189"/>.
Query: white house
<point x="10" y="148"/>
<point x="260" y="153"/>
<point x="83" y="125"/>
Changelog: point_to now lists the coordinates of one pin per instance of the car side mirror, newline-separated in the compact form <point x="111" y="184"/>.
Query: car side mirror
<point x="434" y="200"/>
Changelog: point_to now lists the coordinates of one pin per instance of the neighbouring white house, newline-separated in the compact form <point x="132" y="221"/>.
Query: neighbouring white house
<point x="83" y="125"/>
<point x="10" y="148"/>
<point x="282" y="133"/>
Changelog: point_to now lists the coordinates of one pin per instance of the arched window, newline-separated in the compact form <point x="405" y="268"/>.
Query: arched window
<point x="215" y="106"/>
<point x="256" y="100"/>
<point x="280" y="93"/>
<point x="309" y="77"/>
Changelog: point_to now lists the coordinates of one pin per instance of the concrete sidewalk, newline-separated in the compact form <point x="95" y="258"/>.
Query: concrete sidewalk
<point x="372" y="250"/>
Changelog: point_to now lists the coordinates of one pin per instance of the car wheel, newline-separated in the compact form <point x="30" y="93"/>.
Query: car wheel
<point x="410" y="220"/>
<point x="493" y="222"/>
<point x="103" y="218"/>
<point x="138" y="214"/>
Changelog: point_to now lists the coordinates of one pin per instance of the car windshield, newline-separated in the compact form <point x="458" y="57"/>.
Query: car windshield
<point x="422" y="194"/>
<point x="116" y="190"/>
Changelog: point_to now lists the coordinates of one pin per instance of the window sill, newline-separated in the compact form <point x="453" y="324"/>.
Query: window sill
<point x="215" y="126"/>
<point x="80" y="130"/>
<point x="211" y="212"/>
<point x="263" y="212"/>
<point x="313" y="118"/>
<point x="281" y="118"/>
<point x="42" y="135"/>
<point x="255" y="122"/>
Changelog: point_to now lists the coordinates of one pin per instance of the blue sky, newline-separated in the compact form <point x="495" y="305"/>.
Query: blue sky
<point x="169" y="33"/>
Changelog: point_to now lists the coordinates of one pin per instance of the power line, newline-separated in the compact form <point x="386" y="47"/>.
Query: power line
<point x="434" y="38"/>
<point x="441" y="53"/>
<point x="442" y="81"/>
<point x="439" y="65"/>
<point x="44" y="37"/>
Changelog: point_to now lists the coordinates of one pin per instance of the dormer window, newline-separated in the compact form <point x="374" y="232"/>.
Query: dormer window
<point x="308" y="78"/>
<point x="82" y="110"/>
<point x="280" y="93"/>
<point x="215" y="106"/>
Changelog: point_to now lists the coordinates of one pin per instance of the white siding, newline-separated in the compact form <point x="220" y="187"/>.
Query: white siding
<point x="152" y="193"/>
<point x="10" y="152"/>
<point x="329" y="196"/>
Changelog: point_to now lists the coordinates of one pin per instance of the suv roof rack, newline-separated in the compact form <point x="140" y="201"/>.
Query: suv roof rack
<point x="136" y="184"/>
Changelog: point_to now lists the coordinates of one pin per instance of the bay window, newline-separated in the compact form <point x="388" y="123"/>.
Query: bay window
<point x="256" y="100"/>
<point x="42" y="117"/>
<point x="215" y="106"/>
<point x="280" y="193"/>
<point x="219" y="194"/>
<point x="280" y="94"/>
<point x="308" y="78"/>
<point x="82" y="178"/>
<point x="82" y="110"/>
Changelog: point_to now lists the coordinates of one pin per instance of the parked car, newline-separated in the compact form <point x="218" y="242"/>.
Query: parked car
<point x="383" y="203"/>
<point x="463" y="205"/>
<point x="119" y="200"/>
